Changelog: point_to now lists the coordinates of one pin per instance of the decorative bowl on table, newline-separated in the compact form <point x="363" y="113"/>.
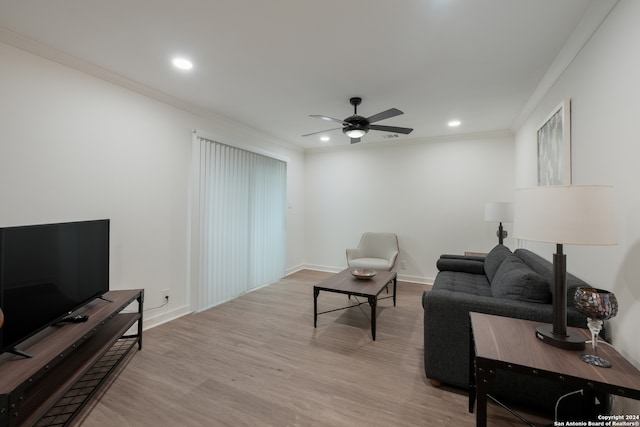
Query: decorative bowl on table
<point x="363" y="273"/>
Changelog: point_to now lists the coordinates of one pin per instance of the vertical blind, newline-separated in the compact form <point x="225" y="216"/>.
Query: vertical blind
<point x="242" y="221"/>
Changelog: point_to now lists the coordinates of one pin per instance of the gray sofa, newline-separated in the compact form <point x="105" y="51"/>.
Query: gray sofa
<point x="503" y="283"/>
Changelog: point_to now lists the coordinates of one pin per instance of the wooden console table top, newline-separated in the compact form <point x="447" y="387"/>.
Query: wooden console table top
<point x="511" y="344"/>
<point x="513" y="341"/>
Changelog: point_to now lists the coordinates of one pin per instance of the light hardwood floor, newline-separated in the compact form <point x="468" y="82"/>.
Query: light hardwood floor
<point x="258" y="361"/>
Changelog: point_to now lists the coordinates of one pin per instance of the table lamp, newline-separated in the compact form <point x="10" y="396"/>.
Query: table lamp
<point x="499" y="212"/>
<point x="564" y="215"/>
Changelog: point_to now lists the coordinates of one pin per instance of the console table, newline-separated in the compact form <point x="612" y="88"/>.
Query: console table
<point x="68" y="360"/>
<point x="511" y="344"/>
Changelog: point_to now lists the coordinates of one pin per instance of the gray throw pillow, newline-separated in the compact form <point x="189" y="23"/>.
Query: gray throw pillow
<point x="516" y="280"/>
<point x="493" y="260"/>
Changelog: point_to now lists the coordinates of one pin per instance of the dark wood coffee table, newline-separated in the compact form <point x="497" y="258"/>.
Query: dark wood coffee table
<point x="345" y="283"/>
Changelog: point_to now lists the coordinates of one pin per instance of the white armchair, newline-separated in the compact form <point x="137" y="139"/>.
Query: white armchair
<point x="375" y="250"/>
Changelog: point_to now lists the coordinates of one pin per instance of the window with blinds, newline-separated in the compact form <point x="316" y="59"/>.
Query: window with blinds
<point x="241" y="221"/>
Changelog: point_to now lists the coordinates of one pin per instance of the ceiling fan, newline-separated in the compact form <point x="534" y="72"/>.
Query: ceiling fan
<point x="356" y="126"/>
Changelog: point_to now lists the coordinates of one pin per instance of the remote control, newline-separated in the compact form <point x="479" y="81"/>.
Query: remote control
<point x="76" y="319"/>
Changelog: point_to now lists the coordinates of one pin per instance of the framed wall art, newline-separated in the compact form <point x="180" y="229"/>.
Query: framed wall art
<point x="554" y="147"/>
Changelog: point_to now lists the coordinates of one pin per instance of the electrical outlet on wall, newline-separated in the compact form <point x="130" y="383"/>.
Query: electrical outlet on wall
<point x="165" y="296"/>
<point x="403" y="265"/>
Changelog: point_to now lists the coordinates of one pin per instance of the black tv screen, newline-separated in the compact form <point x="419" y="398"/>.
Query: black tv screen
<point x="48" y="271"/>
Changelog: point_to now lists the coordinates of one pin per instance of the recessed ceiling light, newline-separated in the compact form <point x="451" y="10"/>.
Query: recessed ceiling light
<point x="182" y="63"/>
<point x="454" y="123"/>
<point x="324" y="138"/>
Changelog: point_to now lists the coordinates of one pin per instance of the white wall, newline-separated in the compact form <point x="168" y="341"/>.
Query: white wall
<point x="75" y="147"/>
<point x="430" y="193"/>
<point x="604" y="88"/>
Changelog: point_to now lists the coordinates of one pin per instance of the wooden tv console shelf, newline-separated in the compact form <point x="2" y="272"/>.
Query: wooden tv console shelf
<point x="64" y="356"/>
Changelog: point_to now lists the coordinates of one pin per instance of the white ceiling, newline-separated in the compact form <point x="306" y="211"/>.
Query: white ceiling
<point x="270" y="64"/>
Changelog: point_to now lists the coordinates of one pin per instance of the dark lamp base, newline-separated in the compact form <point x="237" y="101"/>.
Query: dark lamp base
<point x="571" y="341"/>
<point x="594" y="360"/>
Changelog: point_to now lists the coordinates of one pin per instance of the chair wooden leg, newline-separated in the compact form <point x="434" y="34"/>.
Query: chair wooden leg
<point x="435" y="383"/>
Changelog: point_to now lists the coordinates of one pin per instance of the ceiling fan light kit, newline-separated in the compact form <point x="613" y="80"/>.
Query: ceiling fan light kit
<point x="355" y="126"/>
<point x="354" y="133"/>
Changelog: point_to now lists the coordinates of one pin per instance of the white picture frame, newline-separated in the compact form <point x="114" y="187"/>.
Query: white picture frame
<point x="554" y="147"/>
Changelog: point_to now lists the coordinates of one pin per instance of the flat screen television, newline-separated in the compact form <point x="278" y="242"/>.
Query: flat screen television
<point x="46" y="272"/>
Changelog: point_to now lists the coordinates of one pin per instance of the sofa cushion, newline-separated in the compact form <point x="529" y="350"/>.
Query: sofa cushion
<point x="493" y="260"/>
<point x="455" y="281"/>
<point x="516" y="280"/>
<point x="545" y="269"/>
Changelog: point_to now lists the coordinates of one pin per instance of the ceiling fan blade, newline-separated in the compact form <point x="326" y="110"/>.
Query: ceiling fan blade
<point x="391" y="112"/>
<point x="329" y="119"/>
<point x="392" y="129"/>
<point x="322" y="131"/>
<point x="354" y="140"/>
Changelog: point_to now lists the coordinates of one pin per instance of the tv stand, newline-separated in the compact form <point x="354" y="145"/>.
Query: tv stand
<point x="35" y="389"/>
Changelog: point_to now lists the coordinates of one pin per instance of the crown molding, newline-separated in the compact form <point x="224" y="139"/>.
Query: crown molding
<point x="27" y="44"/>
<point x="595" y="15"/>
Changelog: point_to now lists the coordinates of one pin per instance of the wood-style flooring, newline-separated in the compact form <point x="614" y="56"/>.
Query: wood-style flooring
<point x="258" y="361"/>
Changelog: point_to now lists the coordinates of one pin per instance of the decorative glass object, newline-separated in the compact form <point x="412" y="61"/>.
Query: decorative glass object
<point x="598" y="305"/>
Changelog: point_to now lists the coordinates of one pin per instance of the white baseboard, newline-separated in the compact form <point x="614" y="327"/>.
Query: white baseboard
<point x="324" y="268"/>
<point x="151" y="320"/>
<point x="294" y="269"/>
<point x="415" y="279"/>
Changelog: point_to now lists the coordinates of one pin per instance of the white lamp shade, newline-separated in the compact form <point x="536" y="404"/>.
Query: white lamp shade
<point x="572" y="215"/>
<point x="498" y="211"/>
